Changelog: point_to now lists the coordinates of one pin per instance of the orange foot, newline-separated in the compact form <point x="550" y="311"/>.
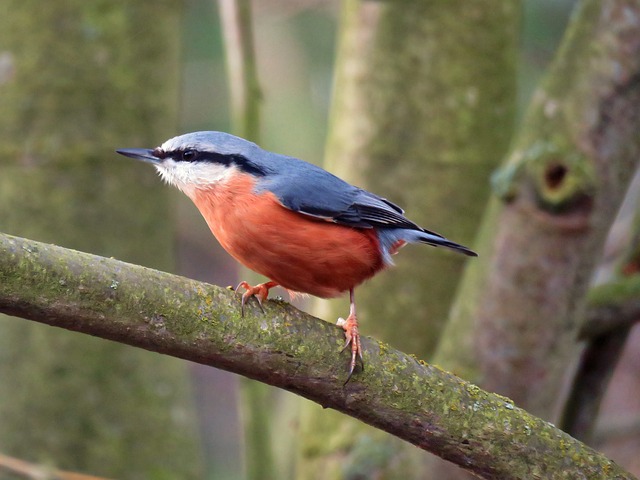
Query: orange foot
<point x="350" y="326"/>
<point x="261" y="292"/>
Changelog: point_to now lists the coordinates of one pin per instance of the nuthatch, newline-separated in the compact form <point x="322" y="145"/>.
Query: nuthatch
<point x="297" y="224"/>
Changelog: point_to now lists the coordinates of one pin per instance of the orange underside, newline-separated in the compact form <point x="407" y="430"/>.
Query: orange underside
<point x="298" y="252"/>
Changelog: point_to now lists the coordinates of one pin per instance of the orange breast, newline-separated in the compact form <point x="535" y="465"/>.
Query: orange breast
<point x="299" y="252"/>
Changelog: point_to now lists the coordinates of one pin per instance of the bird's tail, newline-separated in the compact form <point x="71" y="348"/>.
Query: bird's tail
<point x="391" y="239"/>
<point x="432" y="238"/>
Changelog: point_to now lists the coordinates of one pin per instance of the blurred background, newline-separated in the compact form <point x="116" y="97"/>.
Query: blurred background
<point x="80" y="78"/>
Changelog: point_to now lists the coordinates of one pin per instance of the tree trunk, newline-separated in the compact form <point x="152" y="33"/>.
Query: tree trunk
<point x="423" y="109"/>
<point x="515" y="322"/>
<point x="80" y="79"/>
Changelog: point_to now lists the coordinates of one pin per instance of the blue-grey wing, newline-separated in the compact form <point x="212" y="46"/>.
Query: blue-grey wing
<point x="310" y="190"/>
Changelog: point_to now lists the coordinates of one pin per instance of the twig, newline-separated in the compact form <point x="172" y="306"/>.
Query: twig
<point x="597" y="364"/>
<point x="32" y="471"/>
<point x="612" y="306"/>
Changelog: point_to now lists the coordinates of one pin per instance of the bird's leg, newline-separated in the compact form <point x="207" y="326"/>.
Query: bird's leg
<point x="350" y="326"/>
<point x="261" y="292"/>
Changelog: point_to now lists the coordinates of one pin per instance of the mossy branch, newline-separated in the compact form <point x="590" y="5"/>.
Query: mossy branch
<point x="436" y="411"/>
<point x="613" y="309"/>
<point x="612" y="306"/>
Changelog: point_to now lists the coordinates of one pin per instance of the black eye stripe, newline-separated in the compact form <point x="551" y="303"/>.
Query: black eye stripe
<point x="184" y="155"/>
<point x="189" y="155"/>
<point x="192" y="155"/>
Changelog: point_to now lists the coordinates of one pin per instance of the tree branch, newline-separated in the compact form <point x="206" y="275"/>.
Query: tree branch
<point x="436" y="411"/>
<point x="597" y="364"/>
<point x="23" y="469"/>
<point x="612" y="310"/>
<point x="612" y="306"/>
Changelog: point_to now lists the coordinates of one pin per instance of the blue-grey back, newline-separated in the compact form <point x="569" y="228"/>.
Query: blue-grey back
<point x="302" y="186"/>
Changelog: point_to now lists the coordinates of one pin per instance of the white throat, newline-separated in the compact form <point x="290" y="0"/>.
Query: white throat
<point x="192" y="176"/>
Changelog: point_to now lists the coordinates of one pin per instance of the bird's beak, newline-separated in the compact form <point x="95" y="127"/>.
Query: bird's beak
<point x="140" y="154"/>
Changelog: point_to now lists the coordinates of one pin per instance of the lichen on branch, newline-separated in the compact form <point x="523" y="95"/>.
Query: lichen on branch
<point x="435" y="410"/>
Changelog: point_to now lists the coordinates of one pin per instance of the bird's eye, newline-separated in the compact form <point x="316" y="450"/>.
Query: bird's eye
<point x="189" y="155"/>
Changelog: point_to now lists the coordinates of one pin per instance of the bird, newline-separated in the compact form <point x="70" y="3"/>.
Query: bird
<point x="293" y="222"/>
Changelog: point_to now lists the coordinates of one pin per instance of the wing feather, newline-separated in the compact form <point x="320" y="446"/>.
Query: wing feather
<point x="310" y="190"/>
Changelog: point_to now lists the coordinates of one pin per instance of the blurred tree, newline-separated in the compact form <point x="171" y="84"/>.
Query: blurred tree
<point x="78" y="79"/>
<point x="245" y="103"/>
<point x="423" y="110"/>
<point x="515" y="323"/>
<point x="204" y="106"/>
<point x="560" y="188"/>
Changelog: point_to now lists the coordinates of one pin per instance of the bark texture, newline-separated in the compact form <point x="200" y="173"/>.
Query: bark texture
<point x="517" y="316"/>
<point x="439" y="412"/>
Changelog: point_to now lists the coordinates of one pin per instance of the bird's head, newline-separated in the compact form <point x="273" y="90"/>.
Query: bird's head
<point x="201" y="159"/>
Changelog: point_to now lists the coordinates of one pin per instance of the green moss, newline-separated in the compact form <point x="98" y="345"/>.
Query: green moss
<point x="559" y="174"/>
<point x="416" y="397"/>
<point x="473" y="390"/>
<point x="616" y="292"/>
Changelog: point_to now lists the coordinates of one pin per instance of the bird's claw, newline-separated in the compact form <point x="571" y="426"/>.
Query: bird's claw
<point x="260" y="292"/>
<point x="350" y="327"/>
